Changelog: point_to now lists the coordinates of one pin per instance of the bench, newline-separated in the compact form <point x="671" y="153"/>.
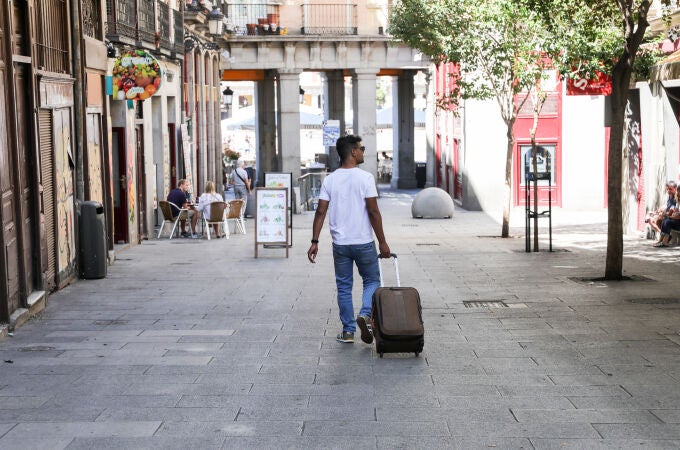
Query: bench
<point x="675" y="237"/>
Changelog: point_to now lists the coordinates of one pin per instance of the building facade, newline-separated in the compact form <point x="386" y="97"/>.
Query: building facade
<point x="272" y="44"/>
<point x="52" y="144"/>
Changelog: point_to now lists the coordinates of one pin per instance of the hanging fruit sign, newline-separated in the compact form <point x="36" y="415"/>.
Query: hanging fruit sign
<point x="136" y="76"/>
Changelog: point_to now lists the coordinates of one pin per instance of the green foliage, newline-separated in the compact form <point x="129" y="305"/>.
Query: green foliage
<point x="497" y="44"/>
<point x="231" y="155"/>
<point x="597" y="34"/>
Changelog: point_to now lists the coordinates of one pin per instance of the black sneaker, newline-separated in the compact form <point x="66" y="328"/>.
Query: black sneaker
<point x="364" y="324"/>
<point x="185" y="234"/>
<point x="346" y="337"/>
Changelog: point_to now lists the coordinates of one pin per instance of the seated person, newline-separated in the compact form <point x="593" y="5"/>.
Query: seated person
<point x="179" y="197"/>
<point x="204" y="201"/>
<point x="670" y="221"/>
<point x="654" y="218"/>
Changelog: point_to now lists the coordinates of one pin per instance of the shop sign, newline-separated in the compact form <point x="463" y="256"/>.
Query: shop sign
<point x="602" y="85"/>
<point x="137" y="75"/>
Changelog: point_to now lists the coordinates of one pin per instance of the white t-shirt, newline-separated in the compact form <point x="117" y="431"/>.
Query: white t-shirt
<point x="346" y="190"/>
<point x="205" y="200"/>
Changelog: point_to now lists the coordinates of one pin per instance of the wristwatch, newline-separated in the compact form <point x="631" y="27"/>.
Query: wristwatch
<point x="315" y="241"/>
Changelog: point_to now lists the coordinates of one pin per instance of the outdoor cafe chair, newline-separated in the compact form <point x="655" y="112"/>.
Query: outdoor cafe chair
<point x="218" y="216"/>
<point x="236" y="211"/>
<point x="167" y="209"/>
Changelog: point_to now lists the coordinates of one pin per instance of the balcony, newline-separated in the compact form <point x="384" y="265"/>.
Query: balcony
<point x="325" y="19"/>
<point x="146" y="23"/>
<point x="252" y="19"/>
<point x="298" y="18"/>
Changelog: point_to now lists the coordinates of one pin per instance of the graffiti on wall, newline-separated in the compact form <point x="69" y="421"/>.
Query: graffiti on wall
<point x="130" y="174"/>
<point x="64" y="177"/>
<point x="94" y="159"/>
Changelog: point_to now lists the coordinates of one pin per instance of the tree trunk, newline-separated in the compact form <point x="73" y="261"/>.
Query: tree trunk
<point x="505" y="231"/>
<point x="619" y="97"/>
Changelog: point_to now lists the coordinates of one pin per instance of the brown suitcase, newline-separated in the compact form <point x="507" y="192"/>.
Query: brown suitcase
<point x="397" y="318"/>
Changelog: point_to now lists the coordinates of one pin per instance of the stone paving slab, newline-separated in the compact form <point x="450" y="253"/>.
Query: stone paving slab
<point x="602" y="444"/>
<point x="247" y="358"/>
<point x="147" y="443"/>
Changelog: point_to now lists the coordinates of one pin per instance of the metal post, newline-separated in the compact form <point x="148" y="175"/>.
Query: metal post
<point x="78" y="109"/>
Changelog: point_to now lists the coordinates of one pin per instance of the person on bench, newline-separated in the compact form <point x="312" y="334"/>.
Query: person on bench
<point x="669" y="222"/>
<point x="654" y="218"/>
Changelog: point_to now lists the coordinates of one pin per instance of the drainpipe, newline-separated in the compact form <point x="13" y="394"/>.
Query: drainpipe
<point x="78" y="88"/>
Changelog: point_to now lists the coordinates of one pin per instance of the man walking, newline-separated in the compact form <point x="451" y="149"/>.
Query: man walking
<point x="350" y="195"/>
<point x="241" y="181"/>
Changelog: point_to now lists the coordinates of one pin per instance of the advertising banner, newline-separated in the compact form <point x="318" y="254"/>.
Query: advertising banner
<point x="331" y="132"/>
<point x="136" y="76"/>
<point x="602" y="85"/>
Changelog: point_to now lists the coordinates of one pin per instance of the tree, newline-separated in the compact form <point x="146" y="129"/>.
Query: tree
<point x="497" y="45"/>
<point x="604" y="36"/>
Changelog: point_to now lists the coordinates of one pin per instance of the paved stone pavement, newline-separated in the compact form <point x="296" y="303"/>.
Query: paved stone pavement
<point x="196" y="344"/>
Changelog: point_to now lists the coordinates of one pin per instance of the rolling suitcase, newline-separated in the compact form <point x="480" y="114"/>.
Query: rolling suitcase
<point x="396" y="318"/>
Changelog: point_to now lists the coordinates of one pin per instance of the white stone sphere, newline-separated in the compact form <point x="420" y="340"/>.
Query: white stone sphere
<point x="432" y="203"/>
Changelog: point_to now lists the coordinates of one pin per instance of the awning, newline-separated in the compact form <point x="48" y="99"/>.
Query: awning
<point x="666" y="70"/>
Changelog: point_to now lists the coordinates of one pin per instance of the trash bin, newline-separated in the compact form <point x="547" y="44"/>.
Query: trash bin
<point x="250" y="205"/>
<point x="421" y="174"/>
<point x="92" y="232"/>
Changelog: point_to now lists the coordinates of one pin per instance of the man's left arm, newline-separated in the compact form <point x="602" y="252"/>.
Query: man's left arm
<point x="375" y="218"/>
<point x="319" y="218"/>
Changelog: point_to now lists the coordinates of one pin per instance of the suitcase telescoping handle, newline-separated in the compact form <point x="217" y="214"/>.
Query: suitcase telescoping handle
<point x="396" y="269"/>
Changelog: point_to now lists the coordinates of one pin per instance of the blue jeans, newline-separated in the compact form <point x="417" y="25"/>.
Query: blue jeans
<point x="366" y="258"/>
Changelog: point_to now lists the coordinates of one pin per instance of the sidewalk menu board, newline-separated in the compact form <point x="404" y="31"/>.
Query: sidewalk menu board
<point x="279" y="180"/>
<point x="271" y="218"/>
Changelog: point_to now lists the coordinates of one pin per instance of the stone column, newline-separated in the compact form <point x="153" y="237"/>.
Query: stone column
<point x="403" y="167"/>
<point x="430" y="118"/>
<point x="267" y="159"/>
<point x="335" y="109"/>
<point x="363" y="99"/>
<point x="289" y="123"/>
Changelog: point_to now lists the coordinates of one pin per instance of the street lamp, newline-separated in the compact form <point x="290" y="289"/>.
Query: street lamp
<point x="191" y="42"/>
<point x="215" y="22"/>
<point x="227" y="97"/>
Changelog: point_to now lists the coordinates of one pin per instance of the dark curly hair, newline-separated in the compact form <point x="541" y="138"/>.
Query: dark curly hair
<point x="345" y="144"/>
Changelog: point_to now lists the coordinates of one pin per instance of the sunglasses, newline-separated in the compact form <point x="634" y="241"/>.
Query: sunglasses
<point x="362" y="148"/>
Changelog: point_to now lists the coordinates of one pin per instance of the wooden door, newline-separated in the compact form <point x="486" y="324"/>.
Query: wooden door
<point x="120" y="203"/>
<point x="9" y="293"/>
<point x="94" y="161"/>
<point x="48" y="203"/>
<point x="25" y="182"/>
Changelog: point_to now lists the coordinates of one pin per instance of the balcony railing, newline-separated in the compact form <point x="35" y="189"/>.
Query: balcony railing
<point x="147" y="21"/>
<point x="252" y="18"/>
<point x="121" y="18"/>
<point x="178" y="32"/>
<point x="334" y="19"/>
<point x="92" y="18"/>
<point x="164" y="25"/>
<point x="52" y="37"/>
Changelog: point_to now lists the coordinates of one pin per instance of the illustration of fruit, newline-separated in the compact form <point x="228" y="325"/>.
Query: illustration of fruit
<point x="144" y="95"/>
<point x="150" y="89"/>
<point x="143" y="80"/>
<point x="157" y="82"/>
<point x="121" y="95"/>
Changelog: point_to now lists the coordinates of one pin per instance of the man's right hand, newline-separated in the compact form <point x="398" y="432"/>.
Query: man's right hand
<point x="384" y="250"/>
